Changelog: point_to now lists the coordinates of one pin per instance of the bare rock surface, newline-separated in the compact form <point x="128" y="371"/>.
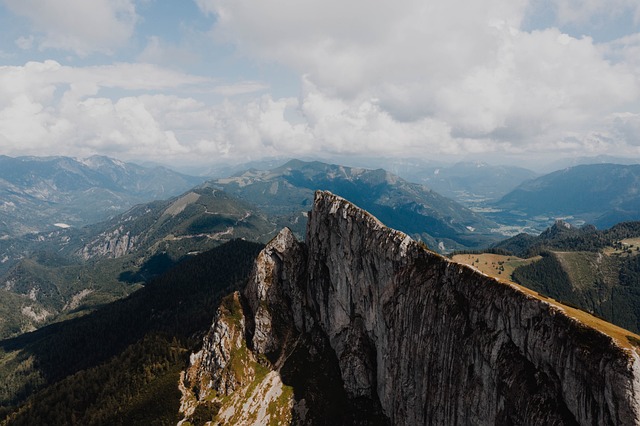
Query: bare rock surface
<point x="364" y="316"/>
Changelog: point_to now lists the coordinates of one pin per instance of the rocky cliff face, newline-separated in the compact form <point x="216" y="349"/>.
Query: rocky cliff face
<point x="364" y="325"/>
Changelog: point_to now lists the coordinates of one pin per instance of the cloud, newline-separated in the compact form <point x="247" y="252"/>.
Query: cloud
<point x="50" y="109"/>
<point x="47" y="108"/>
<point x="80" y="26"/>
<point x="25" y="43"/>
<point x="407" y="79"/>
<point x="160" y="52"/>
<point x="462" y="71"/>
<point x="625" y="50"/>
<point x="583" y="11"/>
<point x="241" y="88"/>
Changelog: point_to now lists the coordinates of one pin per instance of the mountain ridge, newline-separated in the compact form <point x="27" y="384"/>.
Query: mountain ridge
<point x="396" y="317"/>
<point x="72" y="270"/>
<point x="597" y="194"/>
<point x="287" y="192"/>
<point x="43" y="193"/>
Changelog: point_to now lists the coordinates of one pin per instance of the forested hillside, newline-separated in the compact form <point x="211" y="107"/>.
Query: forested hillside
<point x="120" y="364"/>
<point x="563" y="236"/>
<point x="595" y="270"/>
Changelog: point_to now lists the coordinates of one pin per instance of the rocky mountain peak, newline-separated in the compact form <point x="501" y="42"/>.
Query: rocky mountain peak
<point x="361" y="324"/>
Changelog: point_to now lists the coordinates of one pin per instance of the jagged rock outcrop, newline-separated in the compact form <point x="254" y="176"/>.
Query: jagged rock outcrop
<point x="228" y="381"/>
<point x="412" y="338"/>
<point x="115" y="243"/>
<point x="274" y="293"/>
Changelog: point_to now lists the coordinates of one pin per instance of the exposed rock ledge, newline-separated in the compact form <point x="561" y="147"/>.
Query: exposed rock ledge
<point x="409" y="337"/>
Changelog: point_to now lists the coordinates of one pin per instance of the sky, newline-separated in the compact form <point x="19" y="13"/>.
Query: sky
<point x="193" y="83"/>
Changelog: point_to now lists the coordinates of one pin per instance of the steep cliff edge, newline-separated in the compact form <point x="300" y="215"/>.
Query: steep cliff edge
<point x="365" y="316"/>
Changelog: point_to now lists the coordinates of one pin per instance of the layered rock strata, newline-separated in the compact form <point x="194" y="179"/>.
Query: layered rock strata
<point x="412" y="338"/>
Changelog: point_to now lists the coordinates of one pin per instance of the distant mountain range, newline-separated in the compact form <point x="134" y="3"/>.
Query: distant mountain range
<point x="118" y="306"/>
<point x="45" y="277"/>
<point x="286" y="193"/>
<point x="598" y="159"/>
<point x="598" y="194"/>
<point x="467" y="182"/>
<point x="41" y="193"/>
<point x="53" y="274"/>
<point x="473" y="183"/>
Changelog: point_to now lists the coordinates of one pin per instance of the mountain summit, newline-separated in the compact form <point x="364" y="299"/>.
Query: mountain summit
<point x="361" y="324"/>
<point x="43" y="193"/>
<point x="287" y="192"/>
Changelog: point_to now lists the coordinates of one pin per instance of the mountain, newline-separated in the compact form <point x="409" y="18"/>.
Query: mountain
<point x="197" y="219"/>
<point x="474" y="183"/>
<point x="72" y="271"/>
<point x="595" y="270"/>
<point x="39" y="193"/>
<point x="471" y="183"/>
<point x="598" y="159"/>
<point x="120" y="364"/>
<point x="357" y="325"/>
<point x="287" y="192"/>
<point x="360" y="324"/>
<point x="223" y="170"/>
<point x="599" y="194"/>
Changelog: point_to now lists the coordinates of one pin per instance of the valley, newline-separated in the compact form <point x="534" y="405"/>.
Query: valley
<point x="137" y="267"/>
<point x="39" y="194"/>
<point x="222" y="212"/>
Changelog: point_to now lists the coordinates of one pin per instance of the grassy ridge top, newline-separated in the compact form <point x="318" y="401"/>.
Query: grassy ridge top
<point x="502" y="267"/>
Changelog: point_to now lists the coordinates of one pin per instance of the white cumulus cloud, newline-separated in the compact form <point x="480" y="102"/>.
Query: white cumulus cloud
<point x="80" y="26"/>
<point x="405" y="78"/>
<point x="463" y="70"/>
<point x="47" y="108"/>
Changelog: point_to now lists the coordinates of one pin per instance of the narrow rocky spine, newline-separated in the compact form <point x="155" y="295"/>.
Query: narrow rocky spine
<point x="419" y="339"/>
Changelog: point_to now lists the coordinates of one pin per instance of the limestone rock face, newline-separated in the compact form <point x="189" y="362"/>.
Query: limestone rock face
<point x="275" y="292"/>
<point x="112" y="244"/>
<point x="444" y="344"/>
<point x="211" y="366"/>
<point x="425" y="340"/>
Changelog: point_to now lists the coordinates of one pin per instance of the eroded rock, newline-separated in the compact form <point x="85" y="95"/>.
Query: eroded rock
<point x="362" y="315"/>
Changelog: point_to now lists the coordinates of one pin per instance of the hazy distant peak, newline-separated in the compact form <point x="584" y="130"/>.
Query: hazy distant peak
<point x="97" y="161"/>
